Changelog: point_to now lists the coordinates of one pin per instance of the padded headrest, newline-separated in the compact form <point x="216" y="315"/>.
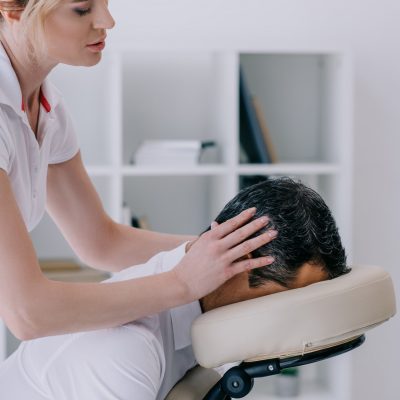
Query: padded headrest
<point x="295" y="321"/>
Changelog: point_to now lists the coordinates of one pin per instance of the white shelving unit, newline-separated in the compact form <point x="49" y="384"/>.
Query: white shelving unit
<point x="185" y="94"/>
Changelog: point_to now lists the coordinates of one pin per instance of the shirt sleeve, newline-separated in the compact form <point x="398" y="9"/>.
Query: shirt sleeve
<point x="109" y="364"/>
<point x="65" y="143"/>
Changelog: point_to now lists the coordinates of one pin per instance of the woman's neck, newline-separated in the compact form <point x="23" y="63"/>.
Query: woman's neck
<point x="30" y="73"/>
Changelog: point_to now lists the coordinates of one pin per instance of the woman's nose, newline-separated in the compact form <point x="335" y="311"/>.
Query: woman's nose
<point x="103" y="19"/>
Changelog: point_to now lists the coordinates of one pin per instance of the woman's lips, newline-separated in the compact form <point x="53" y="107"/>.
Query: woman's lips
<point x="96" y="47"/>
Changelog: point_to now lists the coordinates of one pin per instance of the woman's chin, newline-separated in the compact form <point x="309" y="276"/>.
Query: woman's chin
<point x="94" y="61"/>
<point x="85" y="60"/>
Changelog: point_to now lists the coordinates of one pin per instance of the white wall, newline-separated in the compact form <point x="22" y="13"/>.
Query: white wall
<point x="372" y="30"/>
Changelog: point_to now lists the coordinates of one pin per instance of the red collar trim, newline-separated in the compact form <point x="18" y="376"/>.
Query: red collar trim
<point x="43" y="102"/>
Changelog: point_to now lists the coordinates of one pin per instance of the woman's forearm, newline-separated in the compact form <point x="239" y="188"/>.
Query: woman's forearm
<point x="125" y="246"/>
<point x="58" y="308"/>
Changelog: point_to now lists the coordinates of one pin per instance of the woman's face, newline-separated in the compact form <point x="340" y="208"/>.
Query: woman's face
<point x="76" y="30"/>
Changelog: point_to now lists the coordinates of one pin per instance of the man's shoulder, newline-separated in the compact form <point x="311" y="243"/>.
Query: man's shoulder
<point x="171" y="258"/>
<point x="150" y="267"/>
<point x="160" y="262"/>
<point x="148" y="326"/>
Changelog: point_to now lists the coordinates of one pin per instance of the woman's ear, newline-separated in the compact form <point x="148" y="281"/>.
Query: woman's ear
<point x="11" y="16"/>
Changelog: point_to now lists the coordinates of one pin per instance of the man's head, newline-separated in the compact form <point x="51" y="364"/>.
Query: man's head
<point x="307" y="249"/>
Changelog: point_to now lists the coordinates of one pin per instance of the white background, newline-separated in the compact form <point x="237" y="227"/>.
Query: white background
<point x="371" y="29"/>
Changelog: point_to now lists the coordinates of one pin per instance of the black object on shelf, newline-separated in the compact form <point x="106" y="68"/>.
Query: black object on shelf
<point x="251" y="136"/>
<point x="135" y="222"/>
<point x="208" y="143"/>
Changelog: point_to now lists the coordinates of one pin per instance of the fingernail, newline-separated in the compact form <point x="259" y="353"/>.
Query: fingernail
<point x="264" y="220"/>
<point x="272" y="233"/>
<point x="213" y="224"/>
<point x="252" y="210"/>
<point x="270" y="260"/>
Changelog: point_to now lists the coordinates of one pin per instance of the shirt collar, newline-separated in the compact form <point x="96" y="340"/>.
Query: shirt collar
<point x="183" y="316"/>
<point x="10" y="90"/>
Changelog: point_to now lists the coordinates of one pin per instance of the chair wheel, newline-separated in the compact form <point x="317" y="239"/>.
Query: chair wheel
<point x="236" y="383"/>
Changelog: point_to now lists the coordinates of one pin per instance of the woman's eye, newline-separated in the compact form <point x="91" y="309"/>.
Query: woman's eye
<point x="81" y="12"/>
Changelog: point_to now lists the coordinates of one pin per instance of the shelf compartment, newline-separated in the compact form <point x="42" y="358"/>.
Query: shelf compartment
<point x="177" y="204"/>
<point x="179" y="95"/>
<point x="305" y="102"/>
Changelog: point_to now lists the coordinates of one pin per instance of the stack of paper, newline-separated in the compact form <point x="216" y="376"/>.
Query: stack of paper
<point x="170" y="152"/>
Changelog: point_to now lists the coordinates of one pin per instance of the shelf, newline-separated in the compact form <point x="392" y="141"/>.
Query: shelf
<point x="244" y="169"/>
<point x="199" y="170"/>
<point x="289" y="169"/>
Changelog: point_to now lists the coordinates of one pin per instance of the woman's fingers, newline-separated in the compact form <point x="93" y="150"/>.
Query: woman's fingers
<point x="247" y="265"/>
<point x="236" y="239"/>
<point x="234" y="223"/>
<point x="217" y="255"/>
<point x="242" y="233"/>
<point x="214" y="225"/>
<point x="252" y="244"/>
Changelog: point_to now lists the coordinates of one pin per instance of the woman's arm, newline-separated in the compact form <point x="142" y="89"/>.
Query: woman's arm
<point x="98" y="241"/>
<point x="33" y="306"/>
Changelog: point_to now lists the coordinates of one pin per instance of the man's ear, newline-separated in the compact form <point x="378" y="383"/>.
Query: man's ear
<point x="245" y="257"/>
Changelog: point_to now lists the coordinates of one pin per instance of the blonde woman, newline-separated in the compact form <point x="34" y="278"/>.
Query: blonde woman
<point x="41" y="169"/>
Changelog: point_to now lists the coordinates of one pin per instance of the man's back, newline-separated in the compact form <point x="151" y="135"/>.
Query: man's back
<point x="141" y="360"/>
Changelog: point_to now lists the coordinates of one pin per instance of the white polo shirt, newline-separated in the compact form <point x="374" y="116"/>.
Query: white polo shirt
<point x="22" y="156"/>
<point x="141" y="360"/>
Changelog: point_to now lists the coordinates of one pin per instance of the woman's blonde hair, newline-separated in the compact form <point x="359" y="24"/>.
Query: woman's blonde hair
<point x="34" y="13"/>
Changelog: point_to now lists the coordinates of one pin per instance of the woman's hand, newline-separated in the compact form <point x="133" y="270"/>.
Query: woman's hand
<point x="216" y="255"/>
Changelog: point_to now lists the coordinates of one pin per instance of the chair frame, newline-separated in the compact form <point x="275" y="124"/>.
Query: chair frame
<point x="238" y="381"/>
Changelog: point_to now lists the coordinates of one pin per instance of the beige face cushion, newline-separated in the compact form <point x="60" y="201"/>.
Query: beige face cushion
<point x="295" y="321"/>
